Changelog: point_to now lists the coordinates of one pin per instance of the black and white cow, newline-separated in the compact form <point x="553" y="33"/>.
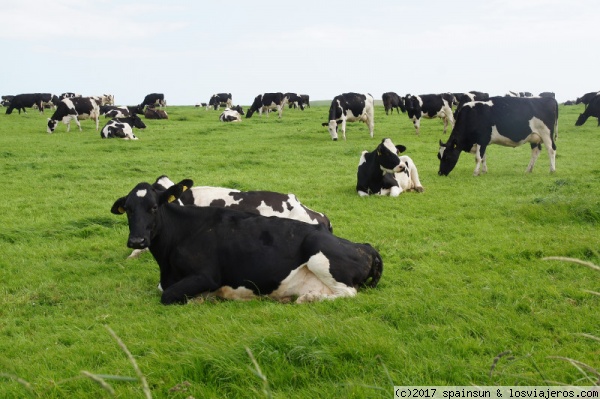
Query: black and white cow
<point x="76" y="108"/>
<point x="267" y="102"/>
<point x="154" y="99"/>
<point x="587" y="98"/>
<point x="305" y="100"/>
<point x="592" y="109"/>
<point x="294" y="100"/>
<point x="113" y="111"/>
<point x="463" y="98"/>
<point x="239" y="255"/>
<point x="122" y="128"/>
<point x="68" y="95"/>
<point x="507" y="121"/>
<point x="428" y="106"/>
<point x="232" y="114"/>
<point x="28" y="100"/>
<point x="218" y="99"/>
<point x="392" y="100"/>
<point x="384" y="172"/>
<point x="350" y="107"/>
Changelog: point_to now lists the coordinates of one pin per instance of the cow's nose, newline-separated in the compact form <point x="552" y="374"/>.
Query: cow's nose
<point x="137" y="243"/>
<point x="335" y="139"/>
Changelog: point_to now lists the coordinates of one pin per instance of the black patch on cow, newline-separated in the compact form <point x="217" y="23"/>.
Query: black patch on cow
<point x="220" y="203"/>
<point x="266" y="238"/>
<point x="255" y="198"/>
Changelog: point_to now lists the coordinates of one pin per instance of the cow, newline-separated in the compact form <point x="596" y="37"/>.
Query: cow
<point x="108" y="99"/>
<point x="587" y="98"/>
<point x="231" y="115"/>
<point x="507" y="121"/>
<point x="392" y="100"/>
<point x="266" y="102"/>
<point x="239" y="255"/>
<point x="112" y="111"/>
<point x="294" y="100"/>
<point x="154" y="113"/>
<point x="384" y="172"/>
<point x="218" y="99"/>
<point x="68" y="95"/>
<point x="76" y="108"/>
<point x="266" y="203"/>
<point x="154" y="99"/>
<point x="305" y="100"/>
<point x="28" y="100"/>
<point x="122" y="128"/>
<point x="592" y="109"/>
<point x="428" y="106"/>
<point x="463" y="98"/>
<point x="350" y="107"/>
<point x="6" y="99"/>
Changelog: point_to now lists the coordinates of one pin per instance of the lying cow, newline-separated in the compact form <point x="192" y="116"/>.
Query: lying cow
<point x="75" y="108"/>
<point x="239" y="255"/>
<point x="154" y="113"/>
<point x="122" y="128"/>
<point x="231" y="115"/>
<point x="266" y="203"/>
<point x="428" y="106"/>
<point x="508" y="121"/>
<point x="350" y="107"/>
<point x="383" y="172"/>
<point x="592" y="109"/>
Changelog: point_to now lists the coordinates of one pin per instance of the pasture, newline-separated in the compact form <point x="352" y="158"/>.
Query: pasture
<point x="463" y="279"/>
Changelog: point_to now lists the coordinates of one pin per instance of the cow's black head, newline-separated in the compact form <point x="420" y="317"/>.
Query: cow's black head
<point x="448" y="156"/>
<point x="142" y="206"/>
<point x="137" y="122"/>
<point x="51" y="125"/>
<point x="580" y="121"/>
<point x="387" y="156"/>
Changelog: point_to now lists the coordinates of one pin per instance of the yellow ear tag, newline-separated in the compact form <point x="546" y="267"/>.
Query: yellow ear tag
<point x="185" y="188"/>
<point x="121" y="210"/>
<point x="171" y="199"/>
<point x="378" y="152"/>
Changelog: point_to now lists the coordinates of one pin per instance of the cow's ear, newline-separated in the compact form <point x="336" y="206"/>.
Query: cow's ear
<point x="400" y="148"/>
<point x="171" y="194"/>
<point x="187" y="184"/>
<point x="118" y="207"/>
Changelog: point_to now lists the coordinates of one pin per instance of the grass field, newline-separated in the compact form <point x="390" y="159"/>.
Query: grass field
<point x="463" y="281"/>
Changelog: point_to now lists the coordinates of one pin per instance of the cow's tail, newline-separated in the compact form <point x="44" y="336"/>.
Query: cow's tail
<point x="555" y="137"/>
<point x="376" y="270"/>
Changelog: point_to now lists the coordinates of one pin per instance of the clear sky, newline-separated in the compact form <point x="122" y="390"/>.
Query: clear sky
<point x="189" y="50"/>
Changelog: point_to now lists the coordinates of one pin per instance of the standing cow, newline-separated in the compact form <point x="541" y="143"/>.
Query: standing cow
<point x="239" y="255"/>
<point x="75" y="108"/>
<point x="508" y="121"/>
<point x="30" y="100"/>
<point x="266" y="102"/>
<point x="350" y="107"/>
<point x="591" y="109"/>
<point x="392" y="100"/>
<point x="218" y="99"/>
<point x="428" y="106"/>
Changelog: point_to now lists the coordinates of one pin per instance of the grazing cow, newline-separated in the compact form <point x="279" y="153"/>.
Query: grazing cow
<point x="239" y="255"/>
<point x="305" y="100"/>
<point x="593" y="109"/>
<point x="507" y="121"/>
<point x="267" y="102"/>
<point x="266" y="203"/>
<point x="231" y="115"/>
<point x="392" y="100"/>
<point x="587" y="98"/>
<point x="76" y="108"/>
<point x="153" y="113"/>
<point x="294" y="100"/>
<point x="428" y="106"/>
<point x="154" y="99"/>
<point x="383" y="172"/>
<point x="122" y="128"/>
<point x="216" y="100"/>
<point x="29" y="100"/>
<point x="350" y="107"/>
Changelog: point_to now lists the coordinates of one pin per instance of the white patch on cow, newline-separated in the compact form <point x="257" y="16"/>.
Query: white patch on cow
<point x="362" y="157"/>
<point x="387" y="143"/>
<point x="205" y="195"/>
<point x="408" y="178"/>
<point x="141" y="193"/>
<point x="165" y="182"/>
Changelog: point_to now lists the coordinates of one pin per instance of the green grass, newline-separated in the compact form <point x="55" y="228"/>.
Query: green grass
<point x="463" y="279"/>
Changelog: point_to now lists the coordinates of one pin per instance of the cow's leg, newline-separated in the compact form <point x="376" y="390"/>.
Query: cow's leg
<point x="279" y="110"/>
<point x="78" y="123"/>
<point x="414" y="176"/>
<point x="417" y="124"/>
<point x="185" y="289"/>
<point x="551" y="147"/>
<point x="371" y="124"/>
<point x="479" y="157"/>
<point x="319" y="265"/>
<point x="535" y="153"/>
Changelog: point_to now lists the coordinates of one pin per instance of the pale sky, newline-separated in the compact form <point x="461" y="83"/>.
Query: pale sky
<point x="189" y="50"/>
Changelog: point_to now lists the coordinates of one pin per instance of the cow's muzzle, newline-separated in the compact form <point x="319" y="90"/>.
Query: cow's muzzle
<point x="137" y="243"/>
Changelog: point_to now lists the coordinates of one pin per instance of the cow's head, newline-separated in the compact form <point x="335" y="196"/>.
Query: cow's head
<point x="239" y="109"/>
<point x="581" y="120"/>
<point x="332" y="126"/>
<point x="142" y="206"/>
<point x="137" y="122"/>
<point x="250" y="112"/>
<point x="448" y="156"/>
<point x="387" y="156"/>
<point x="51" y="125"/>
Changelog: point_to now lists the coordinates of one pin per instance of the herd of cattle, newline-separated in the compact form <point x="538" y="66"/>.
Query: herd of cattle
<point x="221" y="242"/>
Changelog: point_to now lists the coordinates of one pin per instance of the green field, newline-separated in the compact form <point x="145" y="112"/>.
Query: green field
<point x="463" y="281"/>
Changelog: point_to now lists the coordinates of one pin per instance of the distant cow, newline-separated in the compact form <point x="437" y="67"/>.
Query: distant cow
<point x="506" y="121"/>
<point x="6" y="99"/>
<point x="29" y="100"/>
<point x="239" y="255"/>
<point x="548" y="94"/>
<point x="305" y="100"/>
<point x="294" y="100"/>
<point x="76" y="108"/>
<point x="593" y="109"/>
<point x="154" y="113"/>
<point x="587" y="98"/>
<point x="219" y="99"/>
<point x="463" y="98"/>
<point x="392" y="100"/>
<point x="231" y="115"/>
<point x="112" y="111"/>
<point x="350" y="107"/>
<point x="266" y="102"/>
<point x="122" y="128"/>
<point x="384" y="172"/>
<point x="154" y="99"/>
<point x="428" y="106"/>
